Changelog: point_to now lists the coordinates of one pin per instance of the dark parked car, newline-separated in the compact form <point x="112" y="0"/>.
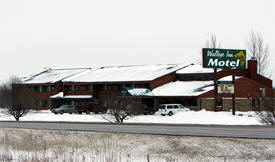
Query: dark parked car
<point x="64" y="109"/>
<point x="139" y="109"/>
<point x="91" y="107"/>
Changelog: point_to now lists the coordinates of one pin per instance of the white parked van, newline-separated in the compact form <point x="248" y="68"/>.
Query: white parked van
<point x="170" y="109"/>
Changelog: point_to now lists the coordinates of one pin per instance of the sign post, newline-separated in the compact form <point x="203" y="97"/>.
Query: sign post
<point x="215" y="89"/>
<point x="224" y="59"/>
<point x="233" y="95"/>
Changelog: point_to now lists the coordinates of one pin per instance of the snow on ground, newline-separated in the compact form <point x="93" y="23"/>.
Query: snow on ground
<point x="46" y="115"/>
<point x="21" y="145"/>
<point x="191" y="117"/>
<point x="200" y="117"/>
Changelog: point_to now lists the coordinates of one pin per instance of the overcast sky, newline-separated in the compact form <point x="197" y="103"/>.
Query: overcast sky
<point x="86" y="33"/>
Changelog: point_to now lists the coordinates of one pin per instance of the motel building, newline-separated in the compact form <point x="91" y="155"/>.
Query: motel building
<point x="190" y="85"/>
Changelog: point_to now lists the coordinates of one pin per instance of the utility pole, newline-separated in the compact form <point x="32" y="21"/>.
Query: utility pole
<point x="233" y="95"/>
<point x="215" y="89"/>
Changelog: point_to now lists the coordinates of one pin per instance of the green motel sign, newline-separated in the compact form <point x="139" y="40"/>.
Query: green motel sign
<point x="223" y="58"/>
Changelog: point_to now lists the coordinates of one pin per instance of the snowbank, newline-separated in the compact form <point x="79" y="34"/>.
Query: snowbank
<point x="191" y="117"/>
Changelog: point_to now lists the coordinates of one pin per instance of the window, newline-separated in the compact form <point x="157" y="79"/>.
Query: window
<point x="77" y="87"/>
<point x="73" y="102"/>
<point x="219" y="102"/>
<point x="88" y="87"/>
<point x="162" y="107"/>
<point x="196" y="77"/>
<point x="109" y="87"/>
<point x="45" y="103"/>
<point x="169" y="107"/>
<point x="116" y="87"/>
<point x="32" y="89"/>
<point x="120" y="86"/>
<point x="175" y="106"/>
<point x="48" y="88"/>
<point x="52" y="88"/>
<point x="70" y="106"/>
<point x="103" y="103"/>
<point x="255" y="102"/>
<point x="103" y="87"/>
<point x="192" y="102"/>
<point x="40" y="103"/>
<point x="185" y="78"/>
<point x="209" y="77"/>
<point x="38" y="88"/>
<point x="69" y="88"/>
<point x="72" y="88"/>
<point x="44" y="88"/>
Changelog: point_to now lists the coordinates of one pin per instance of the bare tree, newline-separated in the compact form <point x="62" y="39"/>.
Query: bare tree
<point x="258" y="49"/>
<point x="213" y="42"/>
<point x="119" y="112"/>
<point x="17" y="99"/>
<point x="117" y="108"/>
<point x="267" y="117"/>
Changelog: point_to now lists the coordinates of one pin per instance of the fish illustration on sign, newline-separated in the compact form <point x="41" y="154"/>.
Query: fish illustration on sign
<point x="241" y="57"/>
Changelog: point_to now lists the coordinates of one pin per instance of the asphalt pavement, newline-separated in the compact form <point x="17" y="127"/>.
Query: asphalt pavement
<point x="261" y="132"/>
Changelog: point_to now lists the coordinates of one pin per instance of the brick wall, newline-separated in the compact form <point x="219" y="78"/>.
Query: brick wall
<point x="78" y="91"/>
<point x="240" y="104"/>
<point x="244" y="88"/>
<point x="267" y="104"/>
<point x="44" y="96"/>
<point x="207" y="104"/>
<point x="163" y="80"/>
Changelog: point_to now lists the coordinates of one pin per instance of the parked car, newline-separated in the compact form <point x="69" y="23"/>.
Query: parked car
<point x="171" y="109"/>
<point x="91" y="107"/>
<point x="64" y="109"/>
<point x="139" y="109"/>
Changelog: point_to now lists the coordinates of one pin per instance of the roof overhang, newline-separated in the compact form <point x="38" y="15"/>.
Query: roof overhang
<point x="60" y="95"/>
<point x="136" y="93"/>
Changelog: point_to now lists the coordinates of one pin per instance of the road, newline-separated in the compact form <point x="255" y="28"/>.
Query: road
<point x="262" y="132"/>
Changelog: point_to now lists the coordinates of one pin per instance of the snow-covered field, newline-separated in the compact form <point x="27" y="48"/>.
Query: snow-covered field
<point x="20" y="145"/>
<point x="27" y="145"/>
<point x="191" y="117"/>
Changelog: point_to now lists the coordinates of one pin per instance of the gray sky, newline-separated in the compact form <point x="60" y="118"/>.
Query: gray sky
<point x="86" y="33"/>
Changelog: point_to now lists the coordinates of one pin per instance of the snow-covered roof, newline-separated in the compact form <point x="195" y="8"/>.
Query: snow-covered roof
<point x="140" y="92"/>
<point x="193" y="68"/>
<point x="78" y="96"/>
<point x="184" y="88"/>
<point x="125" y="73"/>
<point x="228" y="78"/>
<point x="58" y="95"/>
<point x="52" y="75"/>
<point x="61" y="95"/>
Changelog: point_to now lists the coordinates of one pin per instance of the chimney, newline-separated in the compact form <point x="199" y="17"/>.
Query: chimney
<point x="252" y="68"/>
